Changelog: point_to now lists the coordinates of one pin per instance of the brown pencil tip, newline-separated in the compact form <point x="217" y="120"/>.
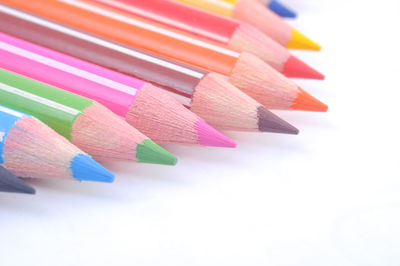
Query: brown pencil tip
<point x="306" y="102"/>
<point x="269" y="122"/>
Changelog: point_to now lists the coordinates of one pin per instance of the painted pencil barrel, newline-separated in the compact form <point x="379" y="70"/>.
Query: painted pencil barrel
<point x="8" y="119"/>
<point x="54" y="107"/>
<point x="133" y="31"/>
<point x="274" y="5"/>
<point x="279" y="8"/>
<point x="29" y="60"/>
<point x="180" y="16"/>
<point x="165" y="73"/>
<point x="215" y="6"/>
<point x="230" y="1"/>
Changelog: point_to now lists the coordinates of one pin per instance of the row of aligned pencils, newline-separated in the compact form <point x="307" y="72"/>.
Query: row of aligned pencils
<point x="83" y="81"/>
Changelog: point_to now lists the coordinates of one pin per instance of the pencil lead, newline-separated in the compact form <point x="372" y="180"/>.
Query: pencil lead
<point x="11" y="183"/>
<point x="300" y="41"/>
<point x="269" y="122"/>
<point x="208" y="136"/>
<point x="84" y="168"/>
<point x="281" y="9"/>
<point x="149" y="152"/>
<point x="305" y="102"/>
<point x="295" y="68"/>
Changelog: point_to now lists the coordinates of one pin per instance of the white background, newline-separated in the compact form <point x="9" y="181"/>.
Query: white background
<point x="330" y="196"/>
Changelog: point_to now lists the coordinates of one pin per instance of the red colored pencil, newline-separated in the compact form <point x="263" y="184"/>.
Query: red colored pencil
<point x="237" y="35"/>
<point x="255" y="13"/>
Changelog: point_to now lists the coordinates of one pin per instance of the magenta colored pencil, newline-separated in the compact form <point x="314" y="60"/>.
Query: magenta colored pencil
<point x="144" y="106"/>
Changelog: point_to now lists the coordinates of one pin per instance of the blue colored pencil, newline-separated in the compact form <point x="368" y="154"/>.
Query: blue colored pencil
<point x="280" y="9"/>
<point x="29" y="148"/>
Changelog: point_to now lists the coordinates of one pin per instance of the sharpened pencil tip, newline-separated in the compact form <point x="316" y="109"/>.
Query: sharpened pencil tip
<point x="84" y="168"/>
<point x="149" y="152"/>
<point x="208" y="136"/>
<point x="11" y="183"/>
<point x="24" y="188"/>
<point x="281" y="9"/>
<point x="269" y="122"/>
<point x="295" y="68"/>
<point x="13" y="188"/>
<point x="300" y="41"/>
<point x="306" y="102"/>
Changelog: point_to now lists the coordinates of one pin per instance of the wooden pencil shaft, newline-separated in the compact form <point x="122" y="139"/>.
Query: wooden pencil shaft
<point x="28" y="146"/>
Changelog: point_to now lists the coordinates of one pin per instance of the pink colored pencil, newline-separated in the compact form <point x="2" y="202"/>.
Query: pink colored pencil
<point x="146" y="107"/>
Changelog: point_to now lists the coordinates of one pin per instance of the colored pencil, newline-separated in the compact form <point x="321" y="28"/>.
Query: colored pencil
<point x="279" y="8"/>
<point x="275" y="6"/>
<point x="205" y="93"/>
<point x="245" y="71"/>
<point x="86" y="123"/>
<point x="144" y="106"/>
<point x="238" y="36"/>
<point x="31" y="149"/>
<point x="256" y="14"/>
<point x="12" y="184"/>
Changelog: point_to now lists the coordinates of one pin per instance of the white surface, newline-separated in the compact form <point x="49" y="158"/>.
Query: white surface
<point x="330" y="196"/>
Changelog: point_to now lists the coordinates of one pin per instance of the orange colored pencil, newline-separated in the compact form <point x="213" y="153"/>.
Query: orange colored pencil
<point x="237" y="35"/>
<point x="244" y="70"/>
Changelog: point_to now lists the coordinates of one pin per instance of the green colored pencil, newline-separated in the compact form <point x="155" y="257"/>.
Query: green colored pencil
<point x="84" y="122"/>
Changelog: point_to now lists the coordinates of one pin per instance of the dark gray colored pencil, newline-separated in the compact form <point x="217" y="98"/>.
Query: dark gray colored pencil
<point x="11" y="183"/>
